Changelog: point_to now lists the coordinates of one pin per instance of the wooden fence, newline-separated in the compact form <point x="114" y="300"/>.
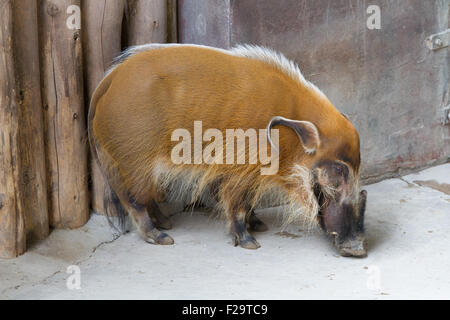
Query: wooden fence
<point x="53" y="55"/>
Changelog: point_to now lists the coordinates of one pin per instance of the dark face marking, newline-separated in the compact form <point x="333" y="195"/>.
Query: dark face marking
<point x="337" y="174"/>
<point x="347" y="228"/>
<point x="345" y="154"/>
<point x="341" y="214"/>
<point x="337" y="219"/>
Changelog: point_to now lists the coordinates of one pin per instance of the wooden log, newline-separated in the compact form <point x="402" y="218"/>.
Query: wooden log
<point x="146" y="21"/>
<point x="64" y="113"/>
<point x="102" y="25"/>
<point x="12" y="221"/>
<point x="31" y="132"/>
<point x="172" y="18"/>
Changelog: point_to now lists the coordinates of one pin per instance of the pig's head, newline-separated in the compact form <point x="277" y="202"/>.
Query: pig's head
<point x="342" y="207"/>
<point x="332" y="157"/>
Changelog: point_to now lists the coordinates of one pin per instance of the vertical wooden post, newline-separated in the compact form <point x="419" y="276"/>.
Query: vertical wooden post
<point x="172" y="21"/>
<point x="102" y="24"/>
<point x="31" y="132"/>
<point x="147" y="21"/>
<point x="64" y="112"/>
<point x="12" y="222"/>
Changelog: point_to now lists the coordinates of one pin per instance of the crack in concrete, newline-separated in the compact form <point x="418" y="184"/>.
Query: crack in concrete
<point x="77" y="263"/>
<point x="410" y="185"/>
<point x="17" y="287"/>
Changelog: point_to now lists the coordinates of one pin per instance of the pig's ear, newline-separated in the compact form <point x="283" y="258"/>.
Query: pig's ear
<point x="306" y="131"/>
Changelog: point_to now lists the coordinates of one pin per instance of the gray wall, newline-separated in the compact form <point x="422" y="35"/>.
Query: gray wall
<point x="392" y="87"/>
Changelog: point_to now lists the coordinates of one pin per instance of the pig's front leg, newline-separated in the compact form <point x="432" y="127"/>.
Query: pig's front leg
<point x="255" y="224"/>
<point x="238" y="227"/>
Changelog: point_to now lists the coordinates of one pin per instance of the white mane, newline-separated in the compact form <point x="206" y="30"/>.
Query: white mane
<point x="269" y="56"/>
<point x="275" y="59"/>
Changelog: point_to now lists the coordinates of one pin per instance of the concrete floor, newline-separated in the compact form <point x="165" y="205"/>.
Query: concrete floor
<point x="408" y="229"/>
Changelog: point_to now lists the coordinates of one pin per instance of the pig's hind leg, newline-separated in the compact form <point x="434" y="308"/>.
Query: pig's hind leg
<point x="144" y="224"/>
<point x="141" y="217"/>
<point x="133" y="203"/>
<point x="160" y="220"/>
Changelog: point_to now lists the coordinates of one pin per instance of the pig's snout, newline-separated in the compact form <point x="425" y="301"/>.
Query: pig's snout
<point x="344" y="221"/>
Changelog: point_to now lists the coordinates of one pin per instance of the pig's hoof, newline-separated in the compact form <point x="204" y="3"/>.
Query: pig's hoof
<point x="256" y="225"/>
<point x="350" y="252"/>
<point x="248" y="242"/>
<point x="356" y="247"/>
<point x="159" y="238"/>
<point x="164" y="239"/>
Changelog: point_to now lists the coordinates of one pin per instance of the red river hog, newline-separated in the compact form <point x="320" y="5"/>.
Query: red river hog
<point x="182" y="122"/>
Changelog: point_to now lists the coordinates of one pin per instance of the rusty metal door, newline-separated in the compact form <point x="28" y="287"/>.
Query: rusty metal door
<point x="394" y="88"/>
